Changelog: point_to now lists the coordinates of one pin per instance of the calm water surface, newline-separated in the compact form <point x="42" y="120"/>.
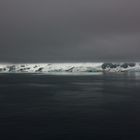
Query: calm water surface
<point x="66" y="107"/>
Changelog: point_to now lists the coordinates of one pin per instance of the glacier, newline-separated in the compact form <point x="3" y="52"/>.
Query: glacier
<point x="69" y="67"/>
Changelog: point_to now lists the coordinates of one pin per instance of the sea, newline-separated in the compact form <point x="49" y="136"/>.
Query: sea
<point x="103" y="106"/>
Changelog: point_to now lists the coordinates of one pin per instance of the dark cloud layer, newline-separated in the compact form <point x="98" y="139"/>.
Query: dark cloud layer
<point x="69" y="30"/>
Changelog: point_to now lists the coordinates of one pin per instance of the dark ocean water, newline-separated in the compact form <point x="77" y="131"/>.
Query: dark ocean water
<point x="64" y="107"/>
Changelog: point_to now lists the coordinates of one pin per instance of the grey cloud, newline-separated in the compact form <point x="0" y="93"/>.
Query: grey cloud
<point x="69" y="30"/>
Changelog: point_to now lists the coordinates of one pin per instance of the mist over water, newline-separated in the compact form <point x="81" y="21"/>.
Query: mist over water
<point x="104" y="106"/>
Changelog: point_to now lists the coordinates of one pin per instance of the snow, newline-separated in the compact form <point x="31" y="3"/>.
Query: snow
<point x="68" y="67"/>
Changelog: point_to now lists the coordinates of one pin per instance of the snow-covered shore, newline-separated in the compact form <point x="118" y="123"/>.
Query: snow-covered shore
<point x="69" y="67"/>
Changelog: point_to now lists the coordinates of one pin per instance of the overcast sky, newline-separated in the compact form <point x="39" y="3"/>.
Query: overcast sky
<point x="69" y="30"/>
